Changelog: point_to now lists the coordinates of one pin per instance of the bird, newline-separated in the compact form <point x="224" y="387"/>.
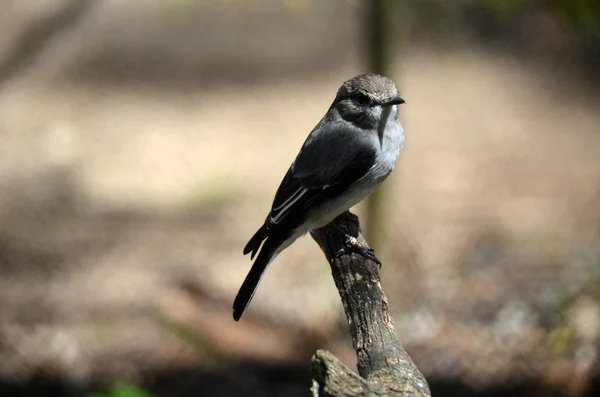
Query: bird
<point x="348" y="154"/>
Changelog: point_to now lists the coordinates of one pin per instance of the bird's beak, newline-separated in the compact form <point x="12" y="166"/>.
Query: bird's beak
<point x="393" y="101"/>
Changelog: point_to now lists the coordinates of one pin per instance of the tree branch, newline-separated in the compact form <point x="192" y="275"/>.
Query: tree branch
<point x="384" y="365"/>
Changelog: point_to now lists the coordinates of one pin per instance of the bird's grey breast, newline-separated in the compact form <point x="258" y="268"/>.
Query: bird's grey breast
<point x="391" y="139"/>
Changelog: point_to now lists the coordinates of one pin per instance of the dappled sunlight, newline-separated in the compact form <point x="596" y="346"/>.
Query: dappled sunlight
<point x="142" y="146"/>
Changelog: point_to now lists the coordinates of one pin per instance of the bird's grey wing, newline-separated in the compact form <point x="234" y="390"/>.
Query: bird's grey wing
<point x="326" y="167"/>
<point x="329" y="150"/>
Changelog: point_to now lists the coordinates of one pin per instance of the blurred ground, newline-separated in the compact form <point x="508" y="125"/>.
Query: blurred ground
<point x="141" y="147"/>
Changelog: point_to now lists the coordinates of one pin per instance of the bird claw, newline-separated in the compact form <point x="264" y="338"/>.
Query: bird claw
<point x="353" y="245"/>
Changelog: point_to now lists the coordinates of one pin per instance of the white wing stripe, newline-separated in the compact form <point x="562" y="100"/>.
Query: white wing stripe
<point x="292" y="197"/>
<point x="288" y="204"/>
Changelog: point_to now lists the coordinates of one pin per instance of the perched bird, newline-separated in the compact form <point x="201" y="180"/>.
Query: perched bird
<point x="346" y="156"/>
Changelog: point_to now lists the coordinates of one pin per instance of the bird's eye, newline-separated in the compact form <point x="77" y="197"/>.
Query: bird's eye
<point x="362" y="100"/>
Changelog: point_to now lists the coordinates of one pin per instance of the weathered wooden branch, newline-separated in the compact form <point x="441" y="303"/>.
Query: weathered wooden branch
<point x="384" y="366"/>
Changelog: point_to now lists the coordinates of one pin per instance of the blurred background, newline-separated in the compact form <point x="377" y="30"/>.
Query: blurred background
<point x="142" y="141"/>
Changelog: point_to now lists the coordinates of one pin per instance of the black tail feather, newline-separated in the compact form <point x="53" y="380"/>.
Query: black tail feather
<point x="255" y="242"/>
<point x="248" y="288"/>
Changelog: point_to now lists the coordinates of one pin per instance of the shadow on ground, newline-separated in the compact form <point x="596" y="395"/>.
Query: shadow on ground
<point x="259" y="379"/>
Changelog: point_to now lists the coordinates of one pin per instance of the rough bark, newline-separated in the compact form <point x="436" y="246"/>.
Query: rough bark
<point x="384" y="366"/>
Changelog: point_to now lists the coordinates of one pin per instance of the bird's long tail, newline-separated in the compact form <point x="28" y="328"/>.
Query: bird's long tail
<point x="267" y="253"/>
<point x="256" y="240"/>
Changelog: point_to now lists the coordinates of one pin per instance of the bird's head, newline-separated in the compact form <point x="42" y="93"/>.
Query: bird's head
<point x="363" y="99"/>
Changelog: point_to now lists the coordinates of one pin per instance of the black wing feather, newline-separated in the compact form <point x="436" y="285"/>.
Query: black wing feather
<point x="333" y="157"/>
<point x="317" y="191"/>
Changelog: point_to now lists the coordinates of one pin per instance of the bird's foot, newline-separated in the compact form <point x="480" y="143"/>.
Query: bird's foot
<point x="353" y="245"/>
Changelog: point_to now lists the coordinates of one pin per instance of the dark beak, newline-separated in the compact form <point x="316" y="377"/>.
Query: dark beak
<point x="393" y="101"/>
